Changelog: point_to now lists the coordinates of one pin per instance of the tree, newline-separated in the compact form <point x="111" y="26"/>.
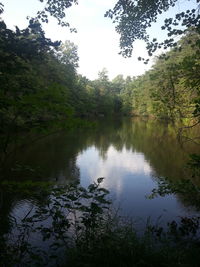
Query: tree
<point x="35" y="86"/>
<point x="103" y="82"/>
<point x="1" y="8"/>
<point x="170" y="89"/>
<point x="68" y="54"/>
<point x="55" y="8"/>
<point x="103" y="75"/>
<point x="118" y="84"/>
<point x="133" y="18"/>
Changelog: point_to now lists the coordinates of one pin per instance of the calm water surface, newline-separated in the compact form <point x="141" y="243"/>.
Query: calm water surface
<point x="131" y="154"/>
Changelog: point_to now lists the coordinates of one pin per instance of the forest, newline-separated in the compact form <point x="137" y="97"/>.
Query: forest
<point x="42" y="92"/>
<point x="40" y="86"/>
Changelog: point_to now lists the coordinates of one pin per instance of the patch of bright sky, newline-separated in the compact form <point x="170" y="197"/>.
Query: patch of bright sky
<point x="114" y="166"/>
<point x="98" y="43"/>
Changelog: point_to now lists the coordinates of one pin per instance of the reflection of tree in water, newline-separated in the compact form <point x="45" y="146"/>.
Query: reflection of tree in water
<point x="71" y="173"/>
<point x="19" y="194"/>
<point x="191" y="199"/>
<point x="158" y="142"/>
<point x="54" y="158"/>
<point x="187" y="189"/>
<point x="56" y="155"/>
<point x="50" y="159"/>
<point x="5" y="208"/>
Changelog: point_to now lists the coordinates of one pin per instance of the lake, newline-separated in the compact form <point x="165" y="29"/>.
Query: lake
<point x="131" y="154"/>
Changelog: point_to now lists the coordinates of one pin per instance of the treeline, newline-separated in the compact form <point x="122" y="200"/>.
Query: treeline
<point x="40" y="87"/>
<point x="171" y="89"/>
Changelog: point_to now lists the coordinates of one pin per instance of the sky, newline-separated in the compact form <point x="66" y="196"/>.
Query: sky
<point x="97" y="41"/>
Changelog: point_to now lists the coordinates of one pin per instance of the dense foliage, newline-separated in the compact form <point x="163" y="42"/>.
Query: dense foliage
<point x="83" y="231"/>
<point x="134" y="18"/>
<point x="41" y="91"/>
<point x="171" y="89"/>
<point x="40" y="87"/>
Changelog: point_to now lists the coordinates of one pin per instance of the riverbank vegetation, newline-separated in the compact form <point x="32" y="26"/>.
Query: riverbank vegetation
<point x="42" y="92"/>
<point x="78" y="227"/>
<point x="41" y="89"/>
<point x="170" y="90"/>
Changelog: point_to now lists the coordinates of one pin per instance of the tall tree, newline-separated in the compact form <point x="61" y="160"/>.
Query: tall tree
<point x="68" y="54"/>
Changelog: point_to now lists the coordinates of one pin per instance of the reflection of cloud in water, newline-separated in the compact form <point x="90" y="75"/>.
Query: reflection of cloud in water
<point x="114" y="167"/>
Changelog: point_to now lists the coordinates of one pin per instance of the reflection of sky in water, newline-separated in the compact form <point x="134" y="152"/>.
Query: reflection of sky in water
<point x="113" y="167"/>
<point x="128" y="176"/>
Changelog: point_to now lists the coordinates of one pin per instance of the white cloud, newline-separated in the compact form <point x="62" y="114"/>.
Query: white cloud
<point x="114" y="167"/>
